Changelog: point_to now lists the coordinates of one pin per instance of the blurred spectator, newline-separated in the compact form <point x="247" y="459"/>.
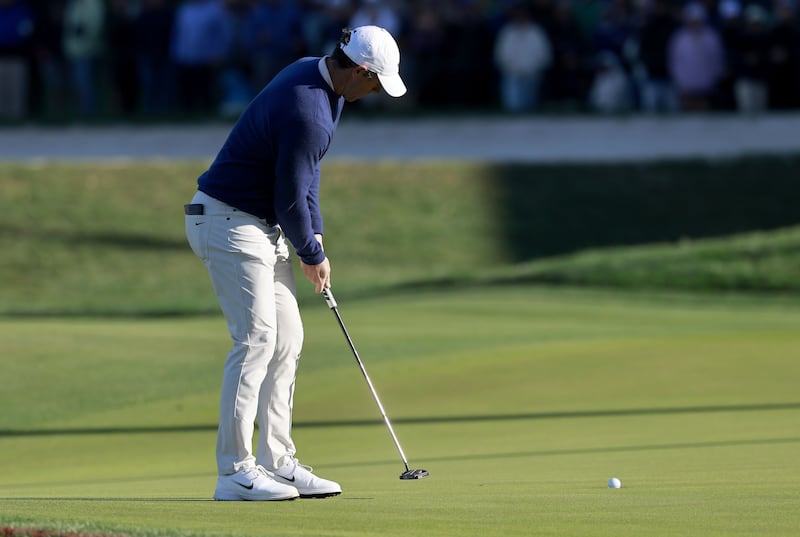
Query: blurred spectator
<point x="656" y="91"/>
<point x="730" y="29"/>
<point x="138" y="55"/>
<point x="377" y="13"/>
<point x="422" y="58"/>
<point x="16" y="33"/>
<point x="236" y="73"/>
<point x="153" y="35"/>
<point x="696" y="59"/>
<point x="568" y="78"/>
<point x="84" y="27"/>
<point x="199" y="44"/>
<point x="468" y="44"/>
<point x="752" y="54"/>
<point x="610" y="91"/>
<point x="51" y="69"/>
<point x="275" y="38"/>
<point x="322" y="24"/>
<point x="522" y="52"/>
<point x="587" y="14"/>
<point x="121" y="36"/>
<point x="615" y="33"/>
<point x="784" y="58"/>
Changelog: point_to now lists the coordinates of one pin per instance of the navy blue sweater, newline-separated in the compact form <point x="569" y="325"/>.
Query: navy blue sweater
<point x="270" y="164"/>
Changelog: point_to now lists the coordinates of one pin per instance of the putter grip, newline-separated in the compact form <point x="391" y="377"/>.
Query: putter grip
<point x="328" y="294"/>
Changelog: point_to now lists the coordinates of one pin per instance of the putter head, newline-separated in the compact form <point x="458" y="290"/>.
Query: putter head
<point x="414" y="474"/>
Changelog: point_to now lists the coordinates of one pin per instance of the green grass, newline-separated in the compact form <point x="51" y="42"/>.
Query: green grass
<point x="520" y="401"/>
<point x="761" y="262"/>
<point x="664" y="358"/>
<point x="108" y="238"/>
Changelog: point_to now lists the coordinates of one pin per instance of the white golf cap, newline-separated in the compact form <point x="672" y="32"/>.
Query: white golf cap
<point x="375" y="48"/>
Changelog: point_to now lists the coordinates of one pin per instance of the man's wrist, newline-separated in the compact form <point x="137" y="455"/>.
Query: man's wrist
<point x="314" y="259"/>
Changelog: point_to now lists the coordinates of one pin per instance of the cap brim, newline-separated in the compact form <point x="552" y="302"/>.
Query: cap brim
<point x="392" y="85"/>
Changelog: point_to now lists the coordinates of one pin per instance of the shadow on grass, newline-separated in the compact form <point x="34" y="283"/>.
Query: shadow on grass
<point x="10" y="433"/>
<point x="126" y="240"/>
<point x="69" y="499"/>
<point x="584" y="451"/>
<point x="556" y="209"/>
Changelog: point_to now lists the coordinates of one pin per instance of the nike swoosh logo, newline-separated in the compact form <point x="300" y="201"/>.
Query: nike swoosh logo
<point x="248" y="487"/>
<point x="198" y="223"/>
<point x="289" y="479"/>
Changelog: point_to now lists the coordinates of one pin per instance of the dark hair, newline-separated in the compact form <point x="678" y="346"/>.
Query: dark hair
<point x="342" y="60"/>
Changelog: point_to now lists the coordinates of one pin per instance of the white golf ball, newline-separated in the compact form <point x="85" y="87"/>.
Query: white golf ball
<point x="614" y="483"/>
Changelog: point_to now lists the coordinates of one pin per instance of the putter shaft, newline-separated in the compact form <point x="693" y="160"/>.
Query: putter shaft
<point x="409" y="473"/>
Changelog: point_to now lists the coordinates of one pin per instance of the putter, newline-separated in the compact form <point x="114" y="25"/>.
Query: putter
<point x="409" y="473"/>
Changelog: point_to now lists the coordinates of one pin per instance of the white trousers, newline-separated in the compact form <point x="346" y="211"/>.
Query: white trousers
<point x="251" y="272"/>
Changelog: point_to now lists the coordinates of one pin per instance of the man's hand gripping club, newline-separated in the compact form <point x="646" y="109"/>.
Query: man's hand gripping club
<point x="319" y="275"/>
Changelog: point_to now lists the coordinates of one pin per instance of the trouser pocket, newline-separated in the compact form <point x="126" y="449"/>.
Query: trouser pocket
<point x="197" y="229"/>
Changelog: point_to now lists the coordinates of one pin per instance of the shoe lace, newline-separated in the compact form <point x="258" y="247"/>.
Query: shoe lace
<point x="296" y="462"/>
<point x="261" y="470"/>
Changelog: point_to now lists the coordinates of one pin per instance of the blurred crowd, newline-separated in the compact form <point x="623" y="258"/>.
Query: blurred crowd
<point x="204" y="58"/>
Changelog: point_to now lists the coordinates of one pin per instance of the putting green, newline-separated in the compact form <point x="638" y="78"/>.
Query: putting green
<point x="521" y="402"/>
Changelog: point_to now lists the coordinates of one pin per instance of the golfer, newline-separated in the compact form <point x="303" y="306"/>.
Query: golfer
<point x="260" y="195"/>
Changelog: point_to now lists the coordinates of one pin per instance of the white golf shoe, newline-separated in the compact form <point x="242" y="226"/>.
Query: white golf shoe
<point x="253" y="484"/>
<point x="307" y="484"/>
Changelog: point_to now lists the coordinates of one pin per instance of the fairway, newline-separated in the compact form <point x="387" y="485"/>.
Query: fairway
<point x="521" y="401"/>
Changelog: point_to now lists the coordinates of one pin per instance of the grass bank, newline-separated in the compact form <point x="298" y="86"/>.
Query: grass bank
<point x="108" y="238"/>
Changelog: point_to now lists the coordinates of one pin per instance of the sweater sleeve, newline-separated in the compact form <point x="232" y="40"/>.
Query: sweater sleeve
<point x="299" y="151"/>
<point x="313" y="206"/>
